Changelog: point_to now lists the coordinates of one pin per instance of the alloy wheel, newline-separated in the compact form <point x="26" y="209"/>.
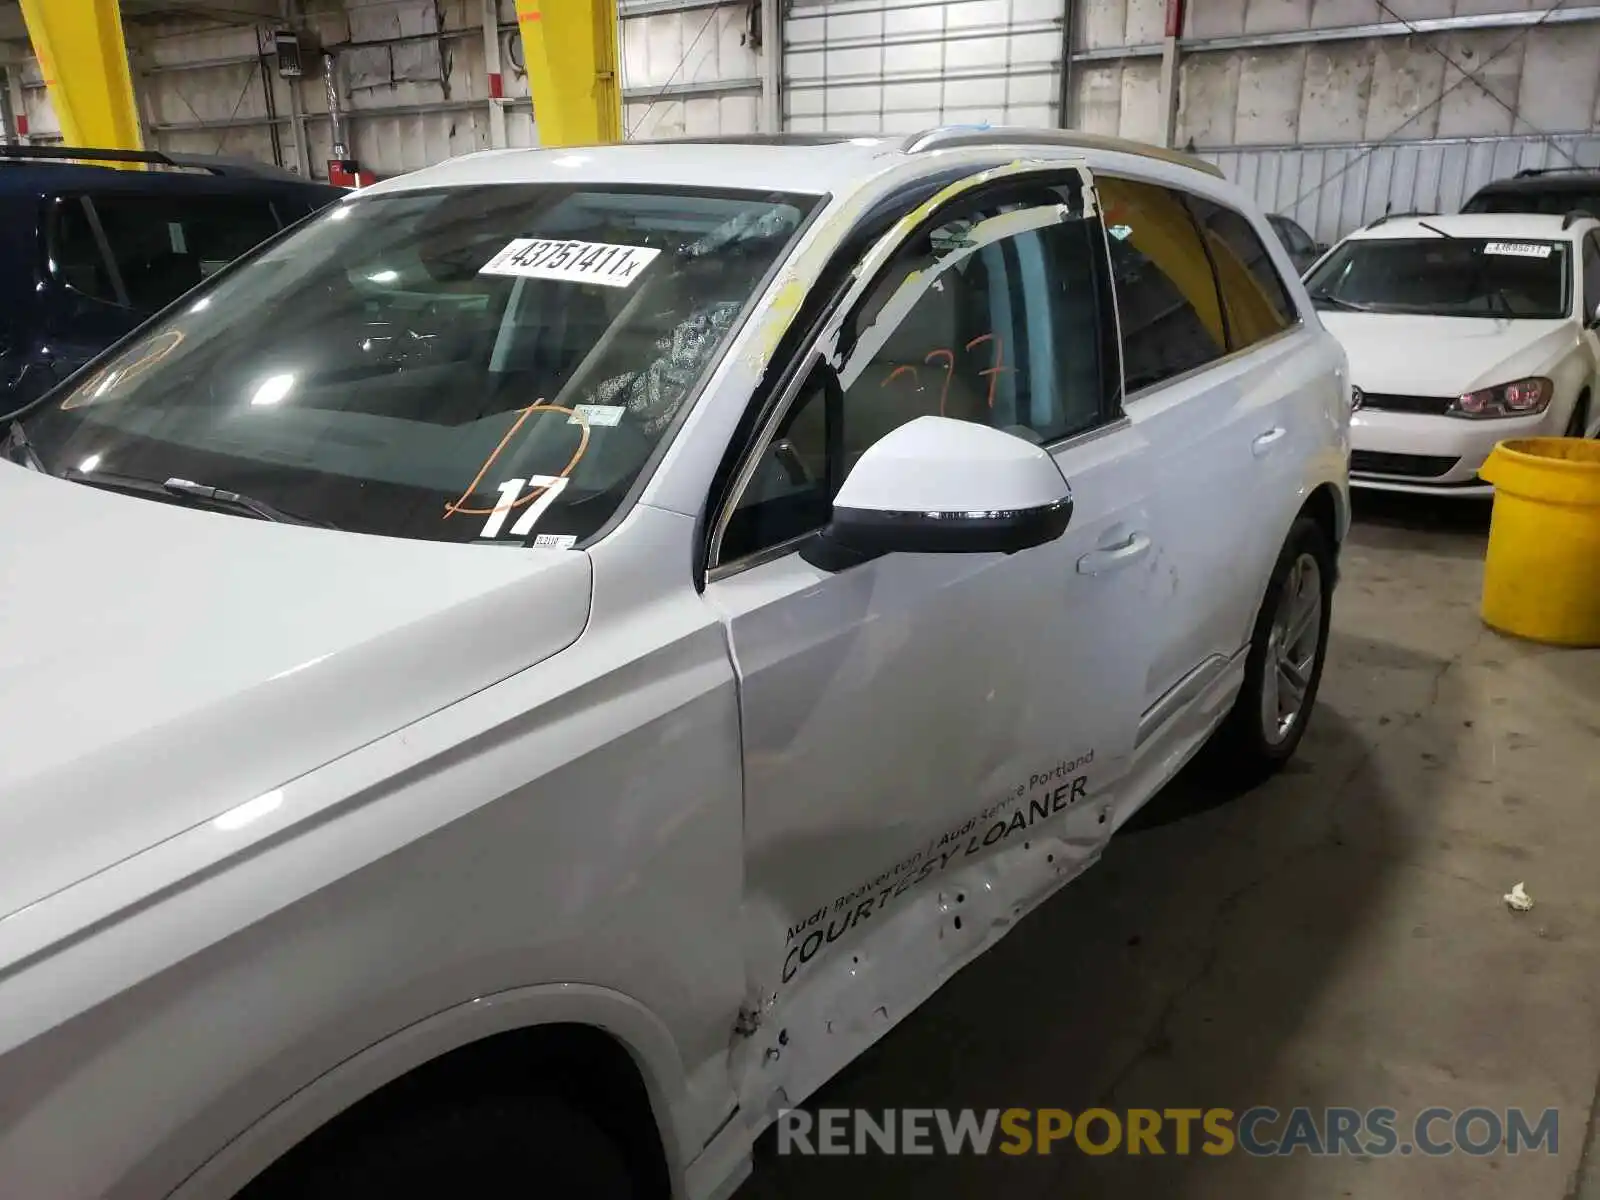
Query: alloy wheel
<point x="1292" y="644"/>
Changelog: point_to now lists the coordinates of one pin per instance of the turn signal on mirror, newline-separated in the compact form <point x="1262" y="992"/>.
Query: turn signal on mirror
<point x="1520" y="398"/>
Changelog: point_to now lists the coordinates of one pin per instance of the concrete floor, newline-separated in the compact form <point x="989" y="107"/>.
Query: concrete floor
<point x="1336" y="937"/>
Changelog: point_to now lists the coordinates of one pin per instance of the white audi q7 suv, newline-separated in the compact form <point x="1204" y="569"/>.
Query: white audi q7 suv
<point x="530" y="672"/>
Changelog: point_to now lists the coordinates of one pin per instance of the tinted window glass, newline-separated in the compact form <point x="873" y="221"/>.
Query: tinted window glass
<point x="1007" y="334"/>
<point x="1445" y="277"/>
<point x="391" y="366"/>
<point x="1591" y="275"/>
<point x="76" y="254"/>
<point x="1558" y="201"/>
<point x="1166" y="293"/>
<point x="1257" y="303"/>
<point x="165" y="245"/>
<point x="1297" y="239"/>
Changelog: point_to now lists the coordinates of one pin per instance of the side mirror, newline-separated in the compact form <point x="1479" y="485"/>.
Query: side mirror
<point x="1594" y="317"/>
<point x="940" y="486"/>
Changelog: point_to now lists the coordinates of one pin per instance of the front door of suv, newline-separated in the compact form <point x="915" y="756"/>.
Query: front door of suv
<point x="933" y="742"/>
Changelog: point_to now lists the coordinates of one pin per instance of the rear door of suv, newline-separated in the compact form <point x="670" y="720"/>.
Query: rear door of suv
<point x="1218" y="385"/>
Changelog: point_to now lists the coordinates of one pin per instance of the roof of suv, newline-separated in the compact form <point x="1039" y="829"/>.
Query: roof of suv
<point x="1545" y="226"/>
<point x="46" y="168"/>
<point x="1556" y="179"/>
<point x="806" y="163"/>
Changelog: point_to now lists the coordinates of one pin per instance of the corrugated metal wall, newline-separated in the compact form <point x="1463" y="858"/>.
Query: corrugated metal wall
<point x="690" y="73"/>
<point x="1331" y="190"/>
<point x="903" y="65"/>
<point x="414" y="83"/>
<point x="1281" y="95"/>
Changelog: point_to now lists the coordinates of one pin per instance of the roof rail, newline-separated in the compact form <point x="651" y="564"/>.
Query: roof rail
<point x="1397" y="216"/>
<point x="765" y="139"/>
<point x="1530" y="172"/>
<point x="947" y="137"/>
<point x="211" y="164"/>
<point x="154" y="157"/>
<point x="1577" y="214"/>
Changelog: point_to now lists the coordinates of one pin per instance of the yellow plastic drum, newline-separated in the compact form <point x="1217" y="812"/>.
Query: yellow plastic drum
<point x="1541" y="579"/>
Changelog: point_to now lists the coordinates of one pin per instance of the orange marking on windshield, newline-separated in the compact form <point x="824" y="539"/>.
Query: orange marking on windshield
<point x="459" y="507"/>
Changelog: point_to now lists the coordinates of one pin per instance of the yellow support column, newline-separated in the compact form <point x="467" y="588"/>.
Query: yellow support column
<point x="570" y="47"/>
<point x="85" y="66"/>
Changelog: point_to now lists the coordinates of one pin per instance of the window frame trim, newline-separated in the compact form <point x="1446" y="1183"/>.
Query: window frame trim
<point x="808" y="358"/>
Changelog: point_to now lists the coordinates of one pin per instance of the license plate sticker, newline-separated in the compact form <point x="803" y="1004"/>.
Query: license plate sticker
<point x="1520" y="249"/>
<point x="571" y="262"/>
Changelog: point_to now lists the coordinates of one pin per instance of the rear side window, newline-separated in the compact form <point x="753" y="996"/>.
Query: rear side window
<point x="1295" y="238"/>
<point x="1530" y="200"/>
<point x="1591" y="276"/>
<point x="165" y="245"/>
<point x="76" y="253"/>
<point x="1253" y="294"/>
<point x="1166" y="294"/>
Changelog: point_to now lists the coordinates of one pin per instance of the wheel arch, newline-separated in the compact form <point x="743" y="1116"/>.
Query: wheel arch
<point x="1329" y="507"/>
<point x="591" y="1047"/>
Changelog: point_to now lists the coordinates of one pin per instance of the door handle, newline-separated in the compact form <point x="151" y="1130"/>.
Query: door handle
<point x="1263" y="444"/>
<point x="1111" y="558"/>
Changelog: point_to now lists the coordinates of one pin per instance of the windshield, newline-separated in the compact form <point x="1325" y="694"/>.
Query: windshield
<point x="497" y="362"/>
<point x="1445" y="277"/>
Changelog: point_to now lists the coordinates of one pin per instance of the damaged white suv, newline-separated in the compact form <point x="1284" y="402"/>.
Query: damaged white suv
<point x="535" y="669"/>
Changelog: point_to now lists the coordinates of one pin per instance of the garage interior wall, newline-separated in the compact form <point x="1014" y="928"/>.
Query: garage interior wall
<point x="905" y="65"/>
<point x="1334" y="128"/>
<point x="412" y="80"/>
<point x="1329" y="110"/>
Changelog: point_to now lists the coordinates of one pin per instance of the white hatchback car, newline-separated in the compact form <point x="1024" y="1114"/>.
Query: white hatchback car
<point x="693" y="598"/>
<point x="1463" y="331"/>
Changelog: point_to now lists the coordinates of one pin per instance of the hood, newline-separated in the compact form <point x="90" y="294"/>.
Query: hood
<point x="160" y="665"/>
<point x="1444" y="356"/>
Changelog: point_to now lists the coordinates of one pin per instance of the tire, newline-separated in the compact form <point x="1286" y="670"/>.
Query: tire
<point x="487" y="1146"/>
<point x="1578" y="425"/>
<point x="1244" y="749"/>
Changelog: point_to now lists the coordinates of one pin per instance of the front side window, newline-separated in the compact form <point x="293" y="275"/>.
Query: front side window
<point x="448" y="365"/>
<point x="1446" y="277"/>
<point x="1253" y="294"/>
<point x="1002" y="330"/>
<point x="1166" y="293"/>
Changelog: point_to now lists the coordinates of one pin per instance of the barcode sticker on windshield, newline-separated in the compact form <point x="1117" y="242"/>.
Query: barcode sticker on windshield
<point x="573" y="262"/>
<point x="597" y="414"/>
<point x="1520" y="249"/>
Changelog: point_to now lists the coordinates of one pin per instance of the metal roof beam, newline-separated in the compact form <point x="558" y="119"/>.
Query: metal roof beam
<point x="1578" y="15"/>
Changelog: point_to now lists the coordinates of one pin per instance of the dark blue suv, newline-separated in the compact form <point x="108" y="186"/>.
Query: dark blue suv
<point x="89" y="252"/>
